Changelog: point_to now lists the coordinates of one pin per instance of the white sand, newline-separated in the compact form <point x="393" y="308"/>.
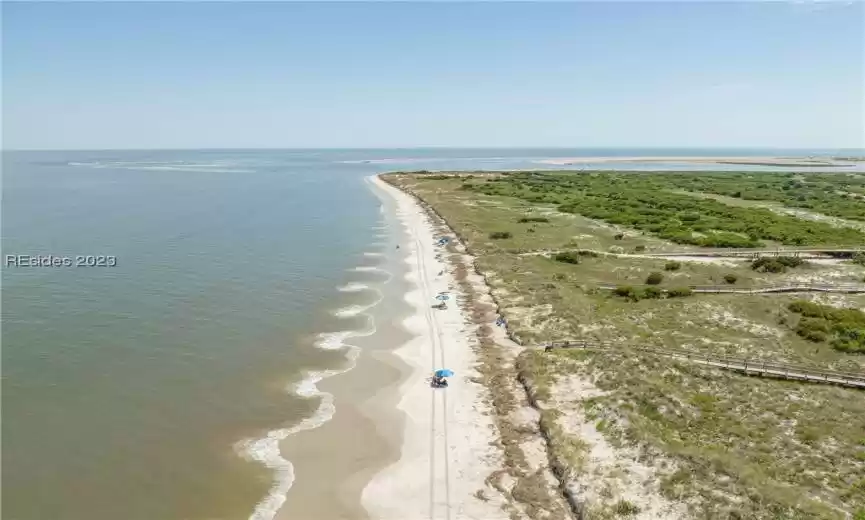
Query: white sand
<point x="446" y="451"/>
<point x="778" y="160"/>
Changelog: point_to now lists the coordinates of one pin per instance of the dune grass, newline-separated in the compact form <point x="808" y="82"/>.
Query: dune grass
<point x="741" y="447"/>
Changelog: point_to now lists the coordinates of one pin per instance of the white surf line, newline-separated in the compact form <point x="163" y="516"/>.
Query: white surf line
<point x="266" y="450"/>
<point x="373" y="269"/>
<point x="354" y="310"/>
<point x="353" y="287"/>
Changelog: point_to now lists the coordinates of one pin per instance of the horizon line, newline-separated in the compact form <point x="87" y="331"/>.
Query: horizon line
<point x="517" y="147"/>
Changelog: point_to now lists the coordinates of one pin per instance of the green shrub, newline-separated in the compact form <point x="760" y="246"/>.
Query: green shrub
<point x="495" y="235"/>
<point x="653" y="293"/>
<point x="655" y="279"/>
<point x="776" y="264"/>
<point x="672" y="265"/>
<point x="680" y="292"/>
<point x="631" y="293"/>
<point x="849" y="339"/>
<point x="623" y="290"/>
<point x="819" y="322"/>
<point x="568" y="257"/>
<point x="524" y="220"/>
<point x="731" y="278"/>
<point x="650" y="203"/>
<point x="625" y="508"/>
<point x="789" y="261"/>
<point x="858" y="258"/>
<point x="813" y="329"/>
<point x="806" y="308"/>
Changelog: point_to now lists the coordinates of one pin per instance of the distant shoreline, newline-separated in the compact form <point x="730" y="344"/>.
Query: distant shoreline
<point x="753" y="161"/>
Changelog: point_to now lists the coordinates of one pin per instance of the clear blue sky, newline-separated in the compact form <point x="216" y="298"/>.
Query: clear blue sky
<point x="193" y="75"/>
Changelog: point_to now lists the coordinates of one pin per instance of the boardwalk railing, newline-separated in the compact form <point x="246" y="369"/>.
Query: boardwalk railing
<point x="848" y="288"/>
<point x="744" y="365"/>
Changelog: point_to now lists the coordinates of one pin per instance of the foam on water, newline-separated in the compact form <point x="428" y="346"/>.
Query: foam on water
<point x="414" y="160"/>
<point x="368" y="269"/>
<point x="266" y="449"/>
<point x="353" y="287"/>
<point x="179" y="166"/>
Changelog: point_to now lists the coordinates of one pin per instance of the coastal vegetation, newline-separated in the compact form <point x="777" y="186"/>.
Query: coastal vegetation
<point x="775" y="264"/>
<point x="835" y="194"/>
<point x="654" y="278"/>
<point x="648" y="202"/>
<point x="723" y="444"/>
<point x="845" y="327"/>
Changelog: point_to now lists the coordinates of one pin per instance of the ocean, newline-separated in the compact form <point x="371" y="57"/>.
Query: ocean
<point x="238" y="285"/>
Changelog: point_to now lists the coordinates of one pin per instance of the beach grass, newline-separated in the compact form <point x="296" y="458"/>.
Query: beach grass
<point x="733" y="445"/>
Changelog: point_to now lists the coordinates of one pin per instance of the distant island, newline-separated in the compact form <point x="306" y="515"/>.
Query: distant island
<point x="750" y="161"/>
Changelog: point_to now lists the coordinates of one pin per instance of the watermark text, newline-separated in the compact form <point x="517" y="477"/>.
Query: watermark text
<point x="59" y="261"/>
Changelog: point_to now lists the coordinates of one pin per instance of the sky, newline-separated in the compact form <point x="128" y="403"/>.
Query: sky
<point x="122" y="75"/>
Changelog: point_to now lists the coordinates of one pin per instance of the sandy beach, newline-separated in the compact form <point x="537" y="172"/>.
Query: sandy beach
<point x="447" y="449"/>
<point x="780" y="161"/>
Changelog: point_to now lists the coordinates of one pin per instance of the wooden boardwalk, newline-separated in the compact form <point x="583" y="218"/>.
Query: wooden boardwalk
<point x="745" y="366"/>
<point x="792" y="287"/>
<point x="841" y="252"/>
<point x="744" y="254"/>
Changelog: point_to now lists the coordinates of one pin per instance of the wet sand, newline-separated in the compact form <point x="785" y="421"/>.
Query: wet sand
<point x="334" y="462"/>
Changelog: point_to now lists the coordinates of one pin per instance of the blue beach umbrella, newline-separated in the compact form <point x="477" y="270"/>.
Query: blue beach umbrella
<point x="444" y="372"/>
<point x="443" y="297"/>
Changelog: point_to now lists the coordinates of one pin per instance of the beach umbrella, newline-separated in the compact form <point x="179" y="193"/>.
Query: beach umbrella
<point x="443" y="297"/>
<point x="444" y="372"/>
